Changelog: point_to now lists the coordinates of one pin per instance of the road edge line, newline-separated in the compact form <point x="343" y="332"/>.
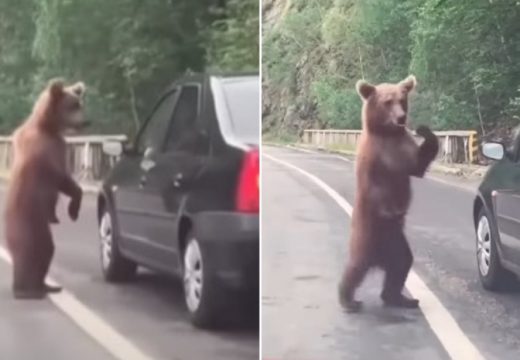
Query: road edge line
<point x="91" y="323"/>
<point x="428" y="176"/>
<point x="318" y="152"/>
<point x="444" y="326"/>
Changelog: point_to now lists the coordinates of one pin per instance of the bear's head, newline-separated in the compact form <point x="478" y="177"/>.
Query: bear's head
<point x="60" y="108"/>
<point x="385" y="106"/>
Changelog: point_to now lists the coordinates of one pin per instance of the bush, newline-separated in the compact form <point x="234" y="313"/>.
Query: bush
<point x="338" y="105"/>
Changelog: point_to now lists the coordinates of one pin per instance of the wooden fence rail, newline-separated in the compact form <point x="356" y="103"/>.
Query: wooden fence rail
<point x="85" y="157"/>
<point x="455" y="146"/>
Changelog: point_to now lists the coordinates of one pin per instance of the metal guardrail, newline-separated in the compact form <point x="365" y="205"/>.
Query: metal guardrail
<point x="85" y="157"/>
<point x="459" y="146"/>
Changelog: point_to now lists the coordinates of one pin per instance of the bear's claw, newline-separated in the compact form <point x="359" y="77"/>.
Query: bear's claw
<point x="51" y="288"/>
<point x="348" y="303"/>
<point x="352" y="306"/>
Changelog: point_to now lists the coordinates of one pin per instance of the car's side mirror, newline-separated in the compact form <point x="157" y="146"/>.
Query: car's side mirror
<point x="112" y="148"/>
<point x="493" y="150"/>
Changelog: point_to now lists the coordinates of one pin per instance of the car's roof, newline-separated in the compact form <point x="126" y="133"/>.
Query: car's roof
<point x="200" y="77"/>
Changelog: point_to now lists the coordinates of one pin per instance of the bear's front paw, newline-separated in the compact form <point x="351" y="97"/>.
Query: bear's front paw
<point x="424" y="131"/>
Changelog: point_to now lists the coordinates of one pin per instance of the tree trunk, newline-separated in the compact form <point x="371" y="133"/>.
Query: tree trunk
<point x="133" y="106"/>
<point x="361" y="63"/>
<point x="478" y="110"/>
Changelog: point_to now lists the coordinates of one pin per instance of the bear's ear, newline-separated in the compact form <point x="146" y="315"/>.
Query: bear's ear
<point x="78" y="88"/>
<point x="56" y="87"/>
<point x="409" y="83"/>
<point x="365" y="89"/>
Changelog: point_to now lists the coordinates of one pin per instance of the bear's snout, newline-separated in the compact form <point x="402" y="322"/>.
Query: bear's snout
<point x="401" y="120"/>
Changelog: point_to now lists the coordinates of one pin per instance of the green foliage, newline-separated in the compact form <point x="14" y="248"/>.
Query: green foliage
<point x="338" y="105"/>
<point x="126" y="51"/>
<point x="279" y="58"/>
<point x="464" y="53"/>
<point x="234" y="37"/>
<point x="280" y="137"/>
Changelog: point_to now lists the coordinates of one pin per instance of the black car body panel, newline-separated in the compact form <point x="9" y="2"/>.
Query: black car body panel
<point x="186" y="174"/>
<point x="233" y="241"/>
<point x="499" y="194"/>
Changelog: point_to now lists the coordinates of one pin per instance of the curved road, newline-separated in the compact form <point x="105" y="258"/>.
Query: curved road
<point x="148" y="313"/>
<point x="304" y="245"/>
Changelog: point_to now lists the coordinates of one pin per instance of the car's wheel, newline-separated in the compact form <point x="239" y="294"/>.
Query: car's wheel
<point x="203" y="296"/>
<point x="115" y="266"/>
<point x="491" y="272"/>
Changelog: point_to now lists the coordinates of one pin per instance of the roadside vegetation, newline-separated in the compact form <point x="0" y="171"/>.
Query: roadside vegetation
<point x="465" y="54"/>
<point x="126" y="51"/>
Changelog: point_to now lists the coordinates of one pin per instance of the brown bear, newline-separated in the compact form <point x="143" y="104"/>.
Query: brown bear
<point x="387" y="156"/>
<point x="37" y="175"/>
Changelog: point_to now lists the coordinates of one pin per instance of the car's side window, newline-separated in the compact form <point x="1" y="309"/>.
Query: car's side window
<point x="152" y="135"/>
<point x="185" y="132"/>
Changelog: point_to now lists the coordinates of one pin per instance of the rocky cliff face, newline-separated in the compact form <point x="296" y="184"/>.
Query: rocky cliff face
<point x="272" y="11"/>
<point x="286" y="109"/>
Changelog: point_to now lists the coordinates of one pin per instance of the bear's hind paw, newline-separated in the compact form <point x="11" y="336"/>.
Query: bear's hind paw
<point x="51" y="288"/>
<point x="350" y="305"/>
<point x="400" y="301"/>
<point x="29" y="294"/>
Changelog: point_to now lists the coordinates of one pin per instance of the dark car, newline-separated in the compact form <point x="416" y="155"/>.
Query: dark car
<point x="184" y="197"/>
<point x="496" y="214"/>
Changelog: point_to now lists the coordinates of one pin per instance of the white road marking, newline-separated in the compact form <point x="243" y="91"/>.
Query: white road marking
<point x="461" y="186"/>
<point x="331" y="192"/>
<point x="427" y="176"/>
<point x="91" y="323"/>
<point x="307" y="151"/>
<point x="301" y="149"/>
<point x="449" y="333"/>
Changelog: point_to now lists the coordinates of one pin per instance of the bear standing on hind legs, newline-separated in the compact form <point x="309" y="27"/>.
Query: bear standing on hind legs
<point x="387" y="156"/>
<point x="38" y="174"/>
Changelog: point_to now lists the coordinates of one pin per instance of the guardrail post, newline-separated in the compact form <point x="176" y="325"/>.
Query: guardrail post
<point x="473" y="147"/>
<point x="86" y="168"/>
<point x="447" y="149"/>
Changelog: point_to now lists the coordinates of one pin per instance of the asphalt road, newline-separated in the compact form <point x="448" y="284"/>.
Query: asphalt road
<point x="304" y="247"/>
<point x="148" y="313"/>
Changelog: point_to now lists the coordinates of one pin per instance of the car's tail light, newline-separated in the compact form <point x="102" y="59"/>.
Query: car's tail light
<point x="248" y="192"/>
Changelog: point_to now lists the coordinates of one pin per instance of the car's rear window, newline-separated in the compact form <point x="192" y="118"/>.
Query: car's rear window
<point x="242" y="99"/>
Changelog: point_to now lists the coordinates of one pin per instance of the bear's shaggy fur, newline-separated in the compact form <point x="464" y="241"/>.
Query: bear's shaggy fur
<point x="37" y="175"/>
<point x="387" y="156"/>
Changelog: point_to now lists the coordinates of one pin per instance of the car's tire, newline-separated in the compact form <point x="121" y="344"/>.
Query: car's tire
<point x="493" y="275"/>
<point x="115" y="267"/>
<point x="205" y="298"/>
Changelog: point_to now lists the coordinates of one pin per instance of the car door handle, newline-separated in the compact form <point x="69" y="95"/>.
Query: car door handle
<point x="177" y="180"/>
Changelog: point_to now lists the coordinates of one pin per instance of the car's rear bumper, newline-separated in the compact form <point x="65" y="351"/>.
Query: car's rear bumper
<point x="230" y="241"/>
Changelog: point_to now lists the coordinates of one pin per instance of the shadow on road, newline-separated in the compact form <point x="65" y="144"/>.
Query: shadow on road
<point x="244" y="321"/>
